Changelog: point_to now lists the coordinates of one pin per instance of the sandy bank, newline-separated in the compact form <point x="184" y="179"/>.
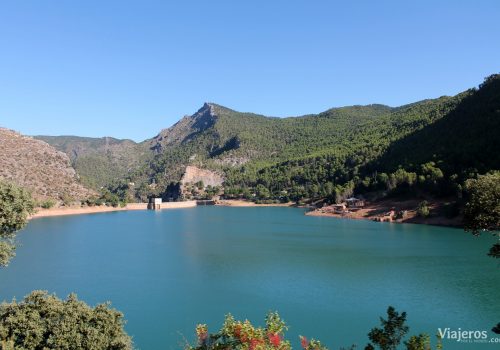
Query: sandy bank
<point x="74" y="211"/>
<point x="62" y="211"/>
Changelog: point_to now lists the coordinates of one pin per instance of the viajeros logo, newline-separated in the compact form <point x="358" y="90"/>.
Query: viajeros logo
<point x="467" y="336"/>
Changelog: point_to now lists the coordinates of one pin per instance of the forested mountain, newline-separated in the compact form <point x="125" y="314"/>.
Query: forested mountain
<point x="330" y="154"/>
<point x="432" y="146"/>
<point x="222" y="139"/>
<point x="337" y="169"/>
<point x="467" y="138"/>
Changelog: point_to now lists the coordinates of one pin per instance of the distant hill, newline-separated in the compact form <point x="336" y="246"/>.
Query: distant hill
<point x="100" y="161"/>
<point x="38" y="167"/>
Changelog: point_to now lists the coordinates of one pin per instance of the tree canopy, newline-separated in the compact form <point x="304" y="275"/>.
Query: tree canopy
<point x="42" y="321"/>
<point x="16" y="205"/>
<point x="482" y="211"/>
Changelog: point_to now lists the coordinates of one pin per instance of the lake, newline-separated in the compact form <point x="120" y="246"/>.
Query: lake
<point x="328" y="278"/>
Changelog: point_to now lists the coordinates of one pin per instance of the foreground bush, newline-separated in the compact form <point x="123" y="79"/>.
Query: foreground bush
<point x="42" y="321"/>
<point x="242" y="335"/>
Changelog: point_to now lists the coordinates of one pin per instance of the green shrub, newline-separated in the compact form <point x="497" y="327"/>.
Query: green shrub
<point x="49" y="203"/>
<point x="423" y="209"/>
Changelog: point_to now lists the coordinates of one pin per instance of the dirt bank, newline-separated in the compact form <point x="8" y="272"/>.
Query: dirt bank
<point x="376" y="210"/>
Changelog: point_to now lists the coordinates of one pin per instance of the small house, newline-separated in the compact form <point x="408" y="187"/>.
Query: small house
<point x="154" y="203"/>
<point x="355" y="202"/>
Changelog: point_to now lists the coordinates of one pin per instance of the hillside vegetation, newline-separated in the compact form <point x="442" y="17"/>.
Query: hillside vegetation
<point x="466" y="138"/>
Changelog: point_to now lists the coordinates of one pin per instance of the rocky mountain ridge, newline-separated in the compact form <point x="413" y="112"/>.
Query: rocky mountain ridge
<point x="185" y="129"/>
<point x="39" y="167"/>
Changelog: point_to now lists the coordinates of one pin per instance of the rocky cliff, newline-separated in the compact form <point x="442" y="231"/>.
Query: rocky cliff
<point x="194" y="174"/>
<point x="199" y="183"/>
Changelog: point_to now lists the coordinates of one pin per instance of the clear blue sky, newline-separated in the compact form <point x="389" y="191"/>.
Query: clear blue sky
<point x="130" y="68"/>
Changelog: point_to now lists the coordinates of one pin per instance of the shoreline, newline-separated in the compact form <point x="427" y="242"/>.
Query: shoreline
<point x="371" y="211"/>
<point x="78" y="210"/>
<point x="376" y="210"/>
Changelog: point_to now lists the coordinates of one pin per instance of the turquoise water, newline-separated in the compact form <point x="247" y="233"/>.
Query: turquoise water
<point x="329" y="278"/>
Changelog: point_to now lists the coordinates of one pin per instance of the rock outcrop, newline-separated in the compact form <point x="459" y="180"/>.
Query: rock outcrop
<point x="194" y="174"/>
<point x="195" y="181"/>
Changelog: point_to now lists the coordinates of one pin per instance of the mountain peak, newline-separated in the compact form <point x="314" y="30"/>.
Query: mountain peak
<point x="207" y="107"/>
<point x="186" y="128"/>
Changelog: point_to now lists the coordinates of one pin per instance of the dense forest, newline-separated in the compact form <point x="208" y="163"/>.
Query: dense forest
<point x="431" y="147"/>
